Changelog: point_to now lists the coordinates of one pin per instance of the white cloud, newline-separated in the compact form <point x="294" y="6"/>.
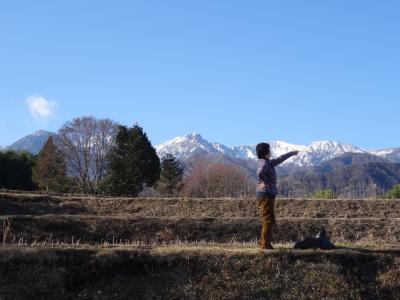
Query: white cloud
<point x="41" y="108"/>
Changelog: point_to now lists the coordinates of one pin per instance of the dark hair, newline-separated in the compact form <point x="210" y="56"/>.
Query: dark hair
<point x="262" y="150"/>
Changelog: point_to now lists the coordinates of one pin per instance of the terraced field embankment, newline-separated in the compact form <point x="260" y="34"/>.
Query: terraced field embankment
<point x="150" y="230"/>
<point x="197" y="273"/>
<point x="35" y="204"/>
<point x="95" y="220"/>
<point x="65" y="247"/>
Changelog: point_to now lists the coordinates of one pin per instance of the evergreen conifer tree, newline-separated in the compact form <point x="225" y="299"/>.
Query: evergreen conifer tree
<point x="50" y="172"/>
<point x="171" y="176"/>
<point x="16" y="170"/>
<point x="132" y="163"/>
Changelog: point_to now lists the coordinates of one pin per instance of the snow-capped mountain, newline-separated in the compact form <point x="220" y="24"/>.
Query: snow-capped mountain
<point x="392" y="154"/>
<point x="32" y="143"/>
<point x="185" y="147"/>
<point x="277" y="147"/>
<point x="321" y="151"/>
<point x="188" y="146"/>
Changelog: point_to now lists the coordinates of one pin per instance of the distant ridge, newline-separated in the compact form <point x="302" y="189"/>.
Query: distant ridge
<point x="32" y="143"/>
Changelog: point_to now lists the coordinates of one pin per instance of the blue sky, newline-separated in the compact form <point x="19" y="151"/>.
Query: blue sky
<point x="238" y="72"/>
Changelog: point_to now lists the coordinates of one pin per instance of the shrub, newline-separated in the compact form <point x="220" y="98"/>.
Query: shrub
<point x="323" y="194"/>
<point x="393" y="193"/>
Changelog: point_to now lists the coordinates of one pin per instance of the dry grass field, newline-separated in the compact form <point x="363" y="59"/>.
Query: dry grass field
<point x="70" y="247"/>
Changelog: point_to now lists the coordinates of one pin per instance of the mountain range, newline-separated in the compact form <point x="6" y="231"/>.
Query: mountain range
<point x="317" y="152"/>
<point x="193" y="145"/>
<point x="350" y="174"/>
<point x="322" y="163"/>
<point x="349" y="170"/>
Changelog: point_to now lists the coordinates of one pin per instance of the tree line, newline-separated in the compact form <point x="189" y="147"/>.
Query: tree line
<point x="99" y="156"/>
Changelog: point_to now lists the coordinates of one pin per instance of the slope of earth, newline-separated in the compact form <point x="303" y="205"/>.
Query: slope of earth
<point x="36" y="204"/>
<point x="197" y="273"/>
<point x="70" y="247"/>
<point x="99" y="229"/>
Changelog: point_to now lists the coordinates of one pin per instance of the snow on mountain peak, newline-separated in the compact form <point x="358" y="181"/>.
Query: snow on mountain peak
<point x="382" y="152"/>
<point x="392" y="154"/>
<point x="320" y="151"/>
<point x="317" y="152"/>
<point x="280" y="147"/>
<point x="186" y="146"/>
<point x="41" y="132"/>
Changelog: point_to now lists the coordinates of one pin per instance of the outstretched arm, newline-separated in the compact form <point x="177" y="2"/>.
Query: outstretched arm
<point x="282" y="158"/>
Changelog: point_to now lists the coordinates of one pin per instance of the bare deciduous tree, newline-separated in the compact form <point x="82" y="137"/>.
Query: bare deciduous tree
<point x="215" y="180"/>
<point x="85" y="143"/>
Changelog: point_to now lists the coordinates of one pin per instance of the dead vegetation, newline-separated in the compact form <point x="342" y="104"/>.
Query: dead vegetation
<point x="98" y="229"/>
<point x="37" y="204"/>
<point x="117" y="248"/>
<point x="93" y="220"/>
<point x="195" y="274"/>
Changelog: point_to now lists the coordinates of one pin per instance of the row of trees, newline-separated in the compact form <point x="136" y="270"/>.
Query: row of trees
<point x="101" y="157"/>
<point x="95" y="156"/>
<point x="98" y="156"/>
<point x="350" y="191"/>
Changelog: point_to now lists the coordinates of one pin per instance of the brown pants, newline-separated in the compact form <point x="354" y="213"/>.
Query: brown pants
<point x="267" y="211"/>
